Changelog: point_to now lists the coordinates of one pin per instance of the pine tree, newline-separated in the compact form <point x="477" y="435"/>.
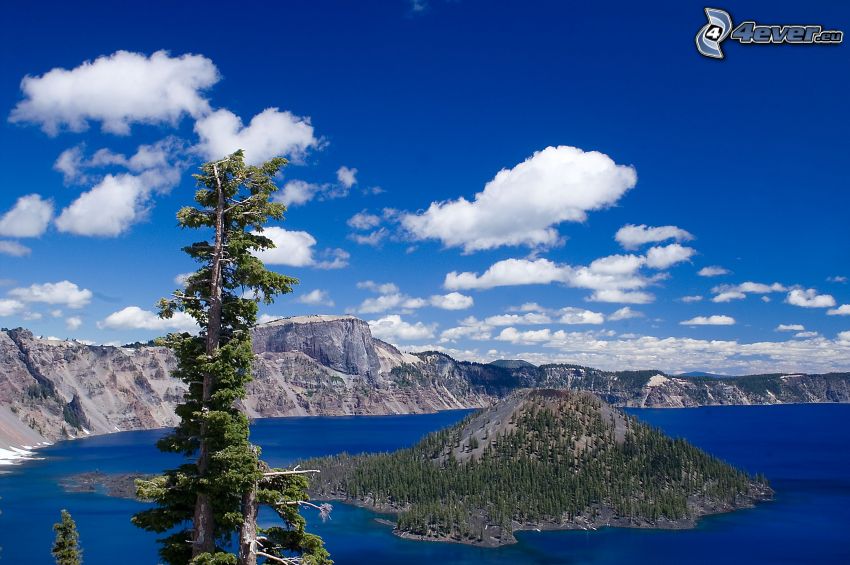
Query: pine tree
<point x="219" y="493"/>
<point x="66" y="548"/>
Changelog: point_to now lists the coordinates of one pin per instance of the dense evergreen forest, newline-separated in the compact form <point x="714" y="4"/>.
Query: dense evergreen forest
<point x="552" y="459"/>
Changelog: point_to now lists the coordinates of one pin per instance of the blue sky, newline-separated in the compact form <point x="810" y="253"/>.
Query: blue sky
<point x="398" y="118"/>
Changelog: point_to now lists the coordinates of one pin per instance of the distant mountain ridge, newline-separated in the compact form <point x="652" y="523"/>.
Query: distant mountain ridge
<point x="325" y="365"/>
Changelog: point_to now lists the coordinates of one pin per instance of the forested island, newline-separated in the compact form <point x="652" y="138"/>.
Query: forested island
<point x="541" y="459"/>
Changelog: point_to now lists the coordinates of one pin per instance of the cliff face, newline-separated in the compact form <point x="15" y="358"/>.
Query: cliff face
<point x="324" y="365"/>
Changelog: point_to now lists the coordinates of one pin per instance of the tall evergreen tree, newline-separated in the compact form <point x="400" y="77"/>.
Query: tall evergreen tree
<point x="66" y="548"/>
<point x="220" y="491"/>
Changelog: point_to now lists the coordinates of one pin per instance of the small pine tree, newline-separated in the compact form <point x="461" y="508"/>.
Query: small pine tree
<point x="66" y="548"/>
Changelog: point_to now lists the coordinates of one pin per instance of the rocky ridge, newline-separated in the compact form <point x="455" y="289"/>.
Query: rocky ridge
<point x="324" y="365"/>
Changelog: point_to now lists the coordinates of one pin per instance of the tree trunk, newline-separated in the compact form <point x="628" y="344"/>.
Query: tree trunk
<point x="248" y="533"/>
<point x="203" y="540"/>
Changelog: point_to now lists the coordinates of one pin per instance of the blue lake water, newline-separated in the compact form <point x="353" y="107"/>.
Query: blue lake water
<point x="803" y="449"/>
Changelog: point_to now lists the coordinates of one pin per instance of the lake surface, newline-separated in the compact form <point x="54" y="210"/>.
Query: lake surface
<point x="803" y="449"/>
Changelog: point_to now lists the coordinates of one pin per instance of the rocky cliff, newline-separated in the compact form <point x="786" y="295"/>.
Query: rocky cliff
<point x="324" y="365"/>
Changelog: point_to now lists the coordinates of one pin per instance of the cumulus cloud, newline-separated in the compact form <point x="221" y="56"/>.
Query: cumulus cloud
<point x="296" y="192"/>
<point x="790" y="328"/>
<point x="712" y="271"/>
<point x="117" y="90"/>
<point x="364" y="221"/>
<point x="624" y="313"/>
<point x="633" y="236"/>
<point x="271" y="133"/>
<point x="611" y="277"/>
<point x="65" y="293"/>
<point x="296" y="249"/>
<point x="373" y="238"/>
<point x="115" y="204"/>
<point x="29" y="217"/>
<point x="380" y="288"/>
<point x="691" y="298"/>
<point x="522" y="205"/>
<point x="451" y="301"/>
<point x="10" y="307"/>
<point x="622" y="296"/>
<point x="727" y="293"/>
<point x="346" y="176"/>
<point x="577" y="316"/>
<point x="509" y="272"/>
<point x="843" y="310"/>
<point x="73" y="323"/>
<point x="393" y="329"/>
<point x="316" y="297"/>
<point x="14" y="249"/>
<point x="809" y="299"/>
<point x="709" y="321"/>
<point x="134" y="318"/>
<point x="668" y="255"/>
<point x="837" y="279"/>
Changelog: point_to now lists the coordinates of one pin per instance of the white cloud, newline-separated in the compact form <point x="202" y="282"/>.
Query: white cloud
<point x="271" y="133"/>
<point x="316" y="297"/>
<point x="333" y="259"/>
<point x="611" y="277"/>
<point x="14" y="249"/>
<point x="393" y="329"/>
<point x="727" y="293"/>
<point x="809" y="299"/>
<point x="373" y="238"/>
<point x="622" y="296"/>
<point x="576" y="316"/>
<point x="805" y="335"/>
<point x="844" y="336"/>
<point x="386" y="302"/>
<point x="346" y="176"/>
<point x="668" y="255"/>
<point x="843" y="310"/>
<point x="180" y="279"/>
<point x="117" y="90"/>
<point x="617" y="264"/>
<point x="529" y="318"/>
<point x="293" y="248"/>
<point x="837" y="279"/>
<point x="62" y="292"/>
<point x="451" y="301"/>
<point x="380" y="288"/>
<point x="521" y="206"/>
<point x="134" y="318"/>
<point x="631" y="236"/>
<point x="712" y="271"/>
<point x="115" y="204"/>
<point x="29" y="217"/>
<point x="296" y="192"/>
<point x="73" y="323"/>
<point x="514" y="335"/>
<point x="510" y="272"/>
<point x="691" y="298"/>
<point x="709" y="321"/>
<point x="9" y="307"/>
<point x="729" y="296"/>
<point x="364" y="221"/>
<point x="162" y="156"/>
<point x="790" y="328"/>
<point x="296" y="249"/>
<point x="624" y="313"/>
